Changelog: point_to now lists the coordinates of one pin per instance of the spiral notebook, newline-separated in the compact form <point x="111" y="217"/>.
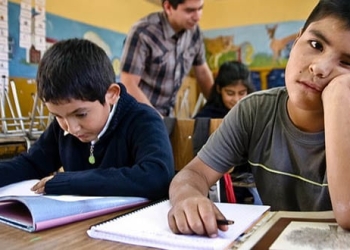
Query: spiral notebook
<point x="148" y="226"/>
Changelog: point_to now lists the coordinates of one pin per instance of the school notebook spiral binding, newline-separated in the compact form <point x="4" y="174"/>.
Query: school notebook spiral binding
<point x="148" y="226"/>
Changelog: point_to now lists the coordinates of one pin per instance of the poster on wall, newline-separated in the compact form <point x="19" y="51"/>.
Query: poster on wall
<point x="25" y="24"/>
<point x="32" y="29"/>
<point x="40" y="26"/>
<point x="4" y="46"/>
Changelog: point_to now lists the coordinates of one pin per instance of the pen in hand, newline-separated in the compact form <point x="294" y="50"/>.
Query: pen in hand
<point x="224" y="222"/>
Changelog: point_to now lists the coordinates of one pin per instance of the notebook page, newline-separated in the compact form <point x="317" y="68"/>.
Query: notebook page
<point x="149" y="227"/>
<point x="19" y="188"/>
<point x="22" y="188"/>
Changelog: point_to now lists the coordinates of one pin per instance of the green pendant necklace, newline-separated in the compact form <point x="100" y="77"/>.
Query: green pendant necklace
<point x="92" y="157"/>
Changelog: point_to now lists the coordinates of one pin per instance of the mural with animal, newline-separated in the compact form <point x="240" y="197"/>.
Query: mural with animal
<point x="222" y="48"/>
<point x="277" y="45"/>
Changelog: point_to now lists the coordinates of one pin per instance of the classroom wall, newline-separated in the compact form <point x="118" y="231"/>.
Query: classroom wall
<point x="106" y="22"/>
<point x="119" y="15"/>
<point x="241" y="21"/>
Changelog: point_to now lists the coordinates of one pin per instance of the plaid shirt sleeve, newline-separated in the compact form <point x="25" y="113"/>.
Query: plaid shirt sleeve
<point x="134" y="53"/>
<point x="197" y="41"/>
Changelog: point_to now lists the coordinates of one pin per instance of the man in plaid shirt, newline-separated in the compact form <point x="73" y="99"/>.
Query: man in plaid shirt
<point x="159" y="52"/>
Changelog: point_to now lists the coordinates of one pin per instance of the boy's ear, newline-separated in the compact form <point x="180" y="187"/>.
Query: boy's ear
<point x="113" y="94"/>
<point x="218" y="89"/>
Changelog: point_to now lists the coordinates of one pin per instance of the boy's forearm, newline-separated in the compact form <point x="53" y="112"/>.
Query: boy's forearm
<point x="187" y="183"/>
<point x="337" y="139"/>
<point x="193" y="181"/>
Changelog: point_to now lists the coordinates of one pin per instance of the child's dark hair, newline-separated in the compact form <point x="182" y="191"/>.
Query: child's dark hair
<point x="74" y="69"/>
<point x="326" y="8"/>
<point x="230" y="72"/>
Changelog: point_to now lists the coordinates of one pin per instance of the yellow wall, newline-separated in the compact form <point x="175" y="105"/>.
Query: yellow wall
<point x="119" y="15"/>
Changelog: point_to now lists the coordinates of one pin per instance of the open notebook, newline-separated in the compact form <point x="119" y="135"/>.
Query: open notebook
<point x="22" y="208"/>
<point x="149" y="227"/>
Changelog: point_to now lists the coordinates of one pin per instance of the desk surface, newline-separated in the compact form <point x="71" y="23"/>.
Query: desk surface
<point x="74" y="236"/>
<point x="71" y="236"/>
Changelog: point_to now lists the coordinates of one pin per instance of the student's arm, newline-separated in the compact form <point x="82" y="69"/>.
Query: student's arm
<point x="192" y="211"/>
<point x="39" y="187"/>
<point x="40" y="161"/>
<point x="131" y="82"/>
<point x="336" y="102"/>
<point x="204" y="78"/>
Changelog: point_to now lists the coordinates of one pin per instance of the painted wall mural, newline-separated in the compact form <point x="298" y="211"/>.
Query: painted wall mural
<point x="258" y="46"/>
<point x="57" y="28"/>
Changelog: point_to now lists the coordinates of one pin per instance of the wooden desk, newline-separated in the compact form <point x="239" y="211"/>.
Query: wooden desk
<point x="263" y="235"/>
<point x="71" y="236"/>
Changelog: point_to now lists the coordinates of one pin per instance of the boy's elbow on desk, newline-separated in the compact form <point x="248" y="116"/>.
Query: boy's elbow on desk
<point x="343" y="219"/>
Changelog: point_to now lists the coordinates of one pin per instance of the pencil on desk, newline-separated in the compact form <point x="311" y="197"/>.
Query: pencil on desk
<point x="225" y="222"/>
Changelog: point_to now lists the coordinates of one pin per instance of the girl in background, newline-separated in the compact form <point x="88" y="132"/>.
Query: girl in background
<point x="231" y="84"/>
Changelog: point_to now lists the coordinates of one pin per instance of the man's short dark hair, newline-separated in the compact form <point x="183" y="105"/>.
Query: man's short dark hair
<point x="174" y="3"/>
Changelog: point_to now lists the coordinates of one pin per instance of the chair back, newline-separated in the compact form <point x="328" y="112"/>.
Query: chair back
<point x="188" y="136"/>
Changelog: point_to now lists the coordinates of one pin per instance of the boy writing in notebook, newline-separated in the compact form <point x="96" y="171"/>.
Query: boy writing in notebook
<point x="107" y="143"/>
<point x="296" y="139"/>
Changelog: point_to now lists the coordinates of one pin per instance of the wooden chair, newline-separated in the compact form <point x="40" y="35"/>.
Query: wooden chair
<point x="182" y="141"/>
<point x="13" y="138"/>
<point x="187" y="137"/>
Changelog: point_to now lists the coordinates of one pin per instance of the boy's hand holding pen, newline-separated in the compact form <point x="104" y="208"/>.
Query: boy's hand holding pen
<point x="224" y="222"/>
